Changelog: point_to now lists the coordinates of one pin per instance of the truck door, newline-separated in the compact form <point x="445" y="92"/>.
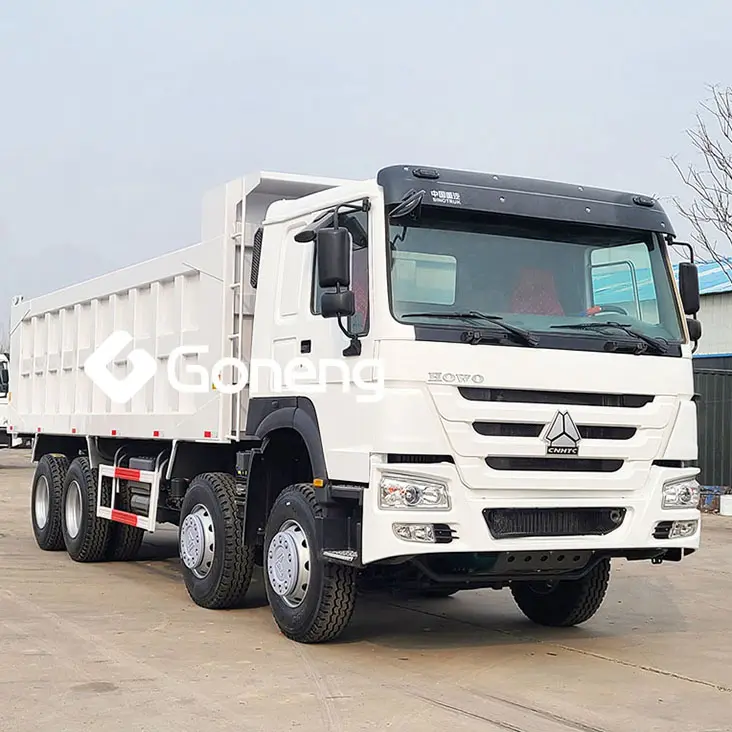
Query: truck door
<point x="302" y="334"/>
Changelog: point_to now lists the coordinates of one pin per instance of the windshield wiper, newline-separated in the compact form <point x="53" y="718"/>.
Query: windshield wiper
<point x="475" y="337"/>
<point x="660" y="345"/>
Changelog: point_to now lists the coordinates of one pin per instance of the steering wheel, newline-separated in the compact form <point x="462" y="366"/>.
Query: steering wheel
<point x="597" y="309"/>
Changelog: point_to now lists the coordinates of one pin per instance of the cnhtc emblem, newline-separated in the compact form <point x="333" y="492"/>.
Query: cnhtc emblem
<point x="562" y="436"/>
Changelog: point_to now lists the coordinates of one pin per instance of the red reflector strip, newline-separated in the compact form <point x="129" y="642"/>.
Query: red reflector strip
<point x="73" y="430"/>
<point x="156" y="433"/>
<point x="38" y="429"/>
<point x="207" y="433"/>
<point x="123" y="517"/>
<point x="127" y="474"/>
<point x="114" y="432"/>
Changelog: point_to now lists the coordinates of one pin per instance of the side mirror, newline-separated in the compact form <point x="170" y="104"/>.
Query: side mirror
<point x="338" y="304"/>
<point x="695" y="329"/>
<point x="333" y="247"/>
<point x="689" y="287"/>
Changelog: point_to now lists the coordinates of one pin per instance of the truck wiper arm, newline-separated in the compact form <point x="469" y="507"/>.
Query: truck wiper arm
<point x="523" y="335"/>
<point x="660" y="345"/>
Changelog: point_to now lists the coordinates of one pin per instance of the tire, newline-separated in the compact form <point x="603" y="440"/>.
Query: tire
<point x="124" y="540"/>
<point x="86" y="535"/>
<point x="570" y="602"/>
<point x="318" y="610"/>
<point x="222" y="578"/>
<point x="48" y="486"/>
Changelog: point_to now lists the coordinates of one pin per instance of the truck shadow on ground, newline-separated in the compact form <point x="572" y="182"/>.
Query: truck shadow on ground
<point x="490" y="618"/>
<point x="470" y="618"/>
<point x="462" y="622"/>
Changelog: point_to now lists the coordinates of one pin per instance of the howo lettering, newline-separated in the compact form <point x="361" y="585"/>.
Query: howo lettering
<point x="537" y="421"/>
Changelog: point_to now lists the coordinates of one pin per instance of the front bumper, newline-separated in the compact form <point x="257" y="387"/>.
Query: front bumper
<point x="643" y="512"/>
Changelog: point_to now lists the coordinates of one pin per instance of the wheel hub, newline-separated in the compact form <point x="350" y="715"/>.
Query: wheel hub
<point x="73" y="509"/>
<point x="197" y="541"/>
<point x="288" y="563"/>
<point x="42" y="502"/>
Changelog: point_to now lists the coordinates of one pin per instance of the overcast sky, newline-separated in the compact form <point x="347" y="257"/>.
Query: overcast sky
<point x="116" y="115"/>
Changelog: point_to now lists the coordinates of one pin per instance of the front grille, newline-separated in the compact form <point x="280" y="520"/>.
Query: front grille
<point x="521" y="429"/>
<point x="598" y="432"/>
<point x="508" y="429"/>
<point x="513" y="523"/>
<point x="527" y="396"/>
<point x="418" y="459"/>
<point x="557" y="464"/>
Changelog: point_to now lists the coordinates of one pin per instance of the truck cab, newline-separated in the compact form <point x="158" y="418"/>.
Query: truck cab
<point x="535" y="391"/>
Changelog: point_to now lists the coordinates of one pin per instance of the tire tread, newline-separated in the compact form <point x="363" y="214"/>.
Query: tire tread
<point x="124" y="540"/>
<point x="238" y="566"/>
<point x="96" y="530"/>
<point x="58" y="466"/>
<point x="339" y="587"/>
<point x="577" y="602"/>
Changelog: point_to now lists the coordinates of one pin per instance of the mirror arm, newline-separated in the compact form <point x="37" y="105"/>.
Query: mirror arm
<point x="670" y="241"/>
<point x="354" y="348"/>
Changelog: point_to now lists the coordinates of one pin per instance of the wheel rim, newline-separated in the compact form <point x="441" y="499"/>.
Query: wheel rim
<point x="73" y="509"/>
<point x="288" y="563"/>
<point x="42" y="502"/>
<point x="198" y="541"/>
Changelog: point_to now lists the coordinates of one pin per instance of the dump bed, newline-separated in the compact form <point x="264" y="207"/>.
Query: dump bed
<point x="197" y="296"/>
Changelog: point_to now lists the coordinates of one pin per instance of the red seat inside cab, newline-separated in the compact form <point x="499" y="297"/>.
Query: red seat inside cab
<point x="535" y="293"/>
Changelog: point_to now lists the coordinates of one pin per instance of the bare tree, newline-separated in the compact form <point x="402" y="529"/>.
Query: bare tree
<point x="710" y="182"/>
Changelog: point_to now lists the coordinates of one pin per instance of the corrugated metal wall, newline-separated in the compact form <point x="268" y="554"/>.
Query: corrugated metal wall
<point x="714" y="387"/>
<point x="714" y="316"/>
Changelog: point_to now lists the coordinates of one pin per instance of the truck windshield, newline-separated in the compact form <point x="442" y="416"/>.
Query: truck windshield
<point x="3" y="379"/>
<point x="536" y="275"/>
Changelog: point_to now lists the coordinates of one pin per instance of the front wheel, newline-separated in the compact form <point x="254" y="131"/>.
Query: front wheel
<point x="565" y="602"/>
<point x="312" y="601"/>
<point x="217" y="564"/>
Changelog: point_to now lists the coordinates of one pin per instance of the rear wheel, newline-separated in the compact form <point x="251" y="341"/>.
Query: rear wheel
<point x="565" y="602"/>
<point x="48" y="485"/>
<point x="312" y="601"/>
<point x="124" y="540"/>
<point x="217" y="565"/>
<point x="86" y="535"/>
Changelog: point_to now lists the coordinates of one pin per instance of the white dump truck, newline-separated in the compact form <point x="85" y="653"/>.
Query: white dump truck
<point x="5" y="437"/>
<point x="428" y="382"/>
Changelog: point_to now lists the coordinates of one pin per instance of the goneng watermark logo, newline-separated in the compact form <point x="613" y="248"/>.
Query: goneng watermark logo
<point x="300" y="375"/>
<point x="96" y="367"/>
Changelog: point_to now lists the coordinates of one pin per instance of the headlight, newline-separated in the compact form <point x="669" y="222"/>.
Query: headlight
<point x="681" y="494"/>
<point x="399" y="491"/>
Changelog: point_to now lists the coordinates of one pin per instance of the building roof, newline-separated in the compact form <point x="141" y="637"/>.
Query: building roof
<point x="714" y="278"/>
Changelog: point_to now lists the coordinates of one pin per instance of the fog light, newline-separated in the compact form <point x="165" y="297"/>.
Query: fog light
<point x="424" y="533"/>
<point x="683" y="529"/>
<point x="681" y="494"/>
<point x="401" y="491"/>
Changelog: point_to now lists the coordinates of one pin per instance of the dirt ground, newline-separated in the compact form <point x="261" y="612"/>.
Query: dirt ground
<point x="122" y="647"/>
